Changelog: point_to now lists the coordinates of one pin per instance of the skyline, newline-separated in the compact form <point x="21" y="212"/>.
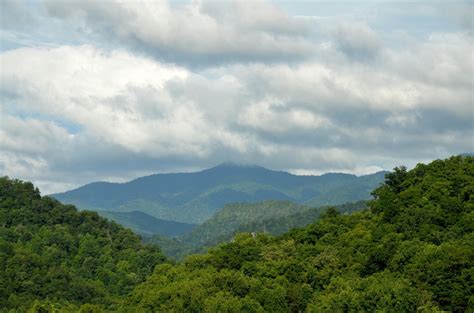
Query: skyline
<point x="110" y="91"/>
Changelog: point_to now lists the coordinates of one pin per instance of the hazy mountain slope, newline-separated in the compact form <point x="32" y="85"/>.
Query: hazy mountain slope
<point x="272" y="217"/>
<point x="279" y="225"/>
<point x="145" y="224"/>
<point x="225" y="222"/>
<point x="194" y="197"/>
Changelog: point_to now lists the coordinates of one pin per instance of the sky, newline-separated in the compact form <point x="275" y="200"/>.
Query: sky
<point x="110" y="91"/>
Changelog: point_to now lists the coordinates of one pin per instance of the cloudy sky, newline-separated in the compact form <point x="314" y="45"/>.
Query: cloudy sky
<point x="102" y="90"/>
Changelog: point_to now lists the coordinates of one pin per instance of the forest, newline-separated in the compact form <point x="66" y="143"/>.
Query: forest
<point x="410" y="250"/>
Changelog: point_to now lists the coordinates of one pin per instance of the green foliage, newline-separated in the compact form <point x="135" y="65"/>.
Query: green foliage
<point x="278" y="225"/>
<point x="272" y="217"/>
<point x="223" y="225"/>
<point x="52" y="251"/>
<point x="412" y="250"/>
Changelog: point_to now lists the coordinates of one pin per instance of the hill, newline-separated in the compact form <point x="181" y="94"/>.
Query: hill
<point x="51" y="251"/>
<point x="411" y="251"/>
<point x="272" y="217"/>
<point x="194" y="197"/>
<point x="279" y="225"/>
<point x="224" y="223"/>
<point x="145" y="224"/>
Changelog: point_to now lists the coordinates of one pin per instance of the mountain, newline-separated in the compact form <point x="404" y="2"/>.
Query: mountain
<point x="145" y="224"/>
<point x="272" y="217"/>
<point x="224" y="223"/>
<point x="279" y="225"/>
<point x="52" y="251"/>
<point x="194" y="197"/>
<point x="411" y="251"/>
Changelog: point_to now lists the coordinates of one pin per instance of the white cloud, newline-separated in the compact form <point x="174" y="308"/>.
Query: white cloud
<point x="115" y="108"/>
<point x="275" y="117"/>
<point x="195" y="30"/>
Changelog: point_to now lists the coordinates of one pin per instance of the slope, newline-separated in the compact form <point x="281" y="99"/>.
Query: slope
<point x="412" y="251"/>
<point x="224" y="223"/>
<point x="279" y="225"/>
<point x="145" y="224"/>
<point x="194" y="197"/>
<point x="272" y="217"/>
<point x="52" y="251"/>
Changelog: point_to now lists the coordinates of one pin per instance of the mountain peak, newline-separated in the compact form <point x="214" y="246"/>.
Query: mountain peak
<point x="231" y="164"/>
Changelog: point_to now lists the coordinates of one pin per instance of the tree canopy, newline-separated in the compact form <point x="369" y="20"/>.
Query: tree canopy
<point x="412" y="250"/>
<point x="51" y="251"/>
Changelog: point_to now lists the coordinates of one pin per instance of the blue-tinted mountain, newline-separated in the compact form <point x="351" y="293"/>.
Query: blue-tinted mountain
<point x="145" y="224"/>
<point x="194" y="197"/>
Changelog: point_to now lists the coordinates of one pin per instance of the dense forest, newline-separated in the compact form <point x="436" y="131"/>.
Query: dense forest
<point x="271" y="217"/>
<point x="52" y="251"/>
<point x="411" y="250"/>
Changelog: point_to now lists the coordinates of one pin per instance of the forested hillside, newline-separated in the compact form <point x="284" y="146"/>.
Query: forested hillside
<point x="272" y="217"/>
<point x="52" y="251"/>
<point x="223" y="225"/>
<point x="279" y="225"/>
<point x="412" y="250"/>
<point x="195" y="197"/>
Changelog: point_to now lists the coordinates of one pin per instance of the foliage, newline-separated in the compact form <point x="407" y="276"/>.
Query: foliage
<point x="272" y="217"/>
<point x="278" y="225"/>
<point x="223" y="225"/>
<point x="412" y="250"/>
<point x="52" y="251"/>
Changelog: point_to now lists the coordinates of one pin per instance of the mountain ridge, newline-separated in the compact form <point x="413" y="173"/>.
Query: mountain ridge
<point x="145" y="224"/>
<point x="194" y="197"/>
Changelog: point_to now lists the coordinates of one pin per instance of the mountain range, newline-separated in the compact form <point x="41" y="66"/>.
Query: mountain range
<point x="195" y="197"/>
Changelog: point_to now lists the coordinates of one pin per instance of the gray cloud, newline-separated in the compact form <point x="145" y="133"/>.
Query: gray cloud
<point x="198" y="32"/>
<point x="357" y="40"/>
<point x="347" y="101"/>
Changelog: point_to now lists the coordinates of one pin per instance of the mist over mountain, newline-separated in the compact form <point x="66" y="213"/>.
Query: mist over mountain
<point x="194" y="197"/>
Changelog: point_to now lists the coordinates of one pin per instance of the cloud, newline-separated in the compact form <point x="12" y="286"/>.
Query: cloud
<point x="186" y="86"/>
<point x="15" y="14"/>
<point x="113" y="114"/>
<point x="357" y="40"/>
<point x="195" y="32"/>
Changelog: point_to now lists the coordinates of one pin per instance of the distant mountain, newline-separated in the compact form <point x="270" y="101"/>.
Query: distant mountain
<point x="272" y="217"/>
<point x="194" y="197"/>
<point x="279" y="225"/>
<point x="225" y="222"/>
<point x="145" y="224"/>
